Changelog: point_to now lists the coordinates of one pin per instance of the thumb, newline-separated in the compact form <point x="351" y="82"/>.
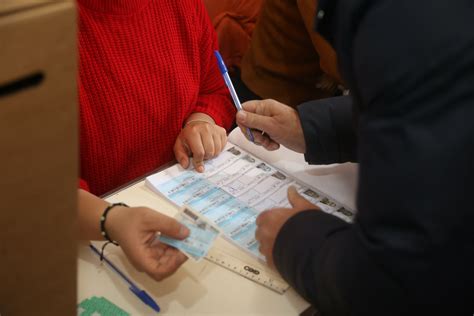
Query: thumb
<point x="166" y="225"/>
<point x="255" y="121"/>
<point x="297" y="201"/>
<point x="181" y="153"/>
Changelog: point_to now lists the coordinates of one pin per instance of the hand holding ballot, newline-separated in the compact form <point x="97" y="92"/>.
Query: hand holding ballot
<point x="135" y="230"/>
<point x="201" y="237"/>
<point x="279" y="124"/>
<point x="271" y="221"/>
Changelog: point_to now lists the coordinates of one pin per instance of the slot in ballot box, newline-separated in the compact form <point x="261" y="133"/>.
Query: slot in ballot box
<point x="38" y="157"/>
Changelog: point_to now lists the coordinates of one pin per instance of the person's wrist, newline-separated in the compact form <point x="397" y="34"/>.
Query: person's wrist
<point x="300" y="140"/>
<point x="295" y="138"/>
<point x="198" y="117"/>
<point x="198" y="121"/>
<point x="115" y="219"/>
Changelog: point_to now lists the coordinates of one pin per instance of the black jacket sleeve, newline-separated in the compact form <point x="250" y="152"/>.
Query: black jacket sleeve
<point x="329" y="130"/>
<point x="410" y="66"/>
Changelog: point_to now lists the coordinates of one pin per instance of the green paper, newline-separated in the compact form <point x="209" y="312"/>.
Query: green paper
<point x="99" y="306"/>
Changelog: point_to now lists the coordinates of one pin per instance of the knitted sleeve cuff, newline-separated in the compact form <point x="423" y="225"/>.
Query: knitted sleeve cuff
<point x="219" y="108"/>
<point x="83" y="185"/>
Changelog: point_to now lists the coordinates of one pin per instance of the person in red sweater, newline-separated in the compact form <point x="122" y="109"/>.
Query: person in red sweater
<point x="149" y="91"/>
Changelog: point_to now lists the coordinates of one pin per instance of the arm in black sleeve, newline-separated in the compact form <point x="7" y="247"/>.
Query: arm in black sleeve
<point x="411" y="246"/>
<point x="327" y="261"/>
<point x="329" y="131"/>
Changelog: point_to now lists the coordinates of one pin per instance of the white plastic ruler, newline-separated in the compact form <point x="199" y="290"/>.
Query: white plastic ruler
<point x="250" y="269"/>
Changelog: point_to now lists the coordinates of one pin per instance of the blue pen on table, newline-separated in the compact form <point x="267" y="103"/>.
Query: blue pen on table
<point x="228" y="82"/>
<point x="141" y="294"/>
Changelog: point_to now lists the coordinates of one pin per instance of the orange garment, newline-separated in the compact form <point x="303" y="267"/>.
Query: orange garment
<point x="287" y="60"/>
<point x="234" y="21"/>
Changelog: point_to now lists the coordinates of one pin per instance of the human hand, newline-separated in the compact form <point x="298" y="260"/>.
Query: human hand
<point x="271" y="221"/>
<point x="135" y="229"/>
<point x="279" y="122"/>
<point x="200" y="138"/>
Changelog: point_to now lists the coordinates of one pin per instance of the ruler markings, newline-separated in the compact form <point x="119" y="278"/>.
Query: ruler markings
<point x="236" y="265"/>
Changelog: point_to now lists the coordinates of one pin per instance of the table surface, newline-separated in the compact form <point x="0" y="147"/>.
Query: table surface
<point x="196" y="288"/>
<point x="204" y="288"/>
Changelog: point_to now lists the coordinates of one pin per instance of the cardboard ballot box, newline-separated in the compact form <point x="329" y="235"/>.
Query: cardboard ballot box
<point x="38" y="157"/>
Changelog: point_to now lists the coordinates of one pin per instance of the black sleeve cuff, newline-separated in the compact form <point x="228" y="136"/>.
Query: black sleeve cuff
<point x="329" y="130"/>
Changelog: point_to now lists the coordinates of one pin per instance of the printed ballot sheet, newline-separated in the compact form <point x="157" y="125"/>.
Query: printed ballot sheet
<point x="236" y="187"/>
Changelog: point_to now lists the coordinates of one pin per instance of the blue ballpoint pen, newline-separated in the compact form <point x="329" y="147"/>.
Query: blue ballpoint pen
<point x="141" y="294"/>
<point x="229" y="84"/>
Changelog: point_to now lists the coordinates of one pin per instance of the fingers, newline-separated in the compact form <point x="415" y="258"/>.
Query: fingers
<point x="243" y="129"/>
<point x="271" y="145"/>
<point x="216" y="139"/>
<point x="267" y="253"/>
<point x="203" y="140"/>
<point x="265" y="141"/>
<point x="163" y="261"/>
<point x="220" y="140"/>
<point x="252" y="106"/>
<point x="260" y="138"/>
<point x="266" y="234"/>
<point x="269" y="224"/>
<point x="280" y="123"/>
<point x="196" y="147"/>
<point x="297" y="201"/>
<point x="262" y="217"/>
<point x="223" y="137"/>
<point x="181" y="153"/>
<point x="264" y="117"/>
<point x="139" y="243"/>
<point x="254" y="121"/>
<point x="157" y="222"/>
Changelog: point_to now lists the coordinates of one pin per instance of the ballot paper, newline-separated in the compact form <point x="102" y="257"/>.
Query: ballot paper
<point x="234" y="189"/>
<point x="201" y="237"/>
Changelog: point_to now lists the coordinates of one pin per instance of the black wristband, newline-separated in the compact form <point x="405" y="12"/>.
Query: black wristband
<point x="104" y="217"/>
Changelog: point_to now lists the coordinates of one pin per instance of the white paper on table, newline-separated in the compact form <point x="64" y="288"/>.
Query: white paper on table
<point x="245" y="180"/>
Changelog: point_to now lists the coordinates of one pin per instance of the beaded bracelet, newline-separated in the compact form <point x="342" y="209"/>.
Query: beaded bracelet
<point x="104" y="217"/>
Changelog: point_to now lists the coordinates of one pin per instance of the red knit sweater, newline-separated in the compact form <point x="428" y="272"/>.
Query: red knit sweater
<point x="145" y="66"/>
